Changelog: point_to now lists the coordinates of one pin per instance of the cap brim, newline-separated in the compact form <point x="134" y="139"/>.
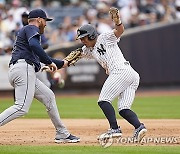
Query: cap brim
<point x="48" y="19"/>
<point x="81" y="36"/>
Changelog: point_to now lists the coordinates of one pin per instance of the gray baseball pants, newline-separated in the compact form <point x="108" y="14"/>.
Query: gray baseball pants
<point x="22" y="77"/>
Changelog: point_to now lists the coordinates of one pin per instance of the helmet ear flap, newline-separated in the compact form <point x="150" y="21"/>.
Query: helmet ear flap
<point x="92" y="36"/>
<point x="87" y="30"/>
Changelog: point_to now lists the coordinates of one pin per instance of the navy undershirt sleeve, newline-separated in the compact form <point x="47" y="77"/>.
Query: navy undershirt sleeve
<point x="38" y="50"/>
<point x="44" y="58"/>
<point x="59" y="63"/>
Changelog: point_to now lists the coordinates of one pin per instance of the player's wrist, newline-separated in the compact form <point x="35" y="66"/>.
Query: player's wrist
<point x="66" y="63"/>
<point x="118" y="22"/>
<point x="51" y="64"/>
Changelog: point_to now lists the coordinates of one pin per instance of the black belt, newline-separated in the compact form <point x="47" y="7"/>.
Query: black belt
<point x="27" y="61"/>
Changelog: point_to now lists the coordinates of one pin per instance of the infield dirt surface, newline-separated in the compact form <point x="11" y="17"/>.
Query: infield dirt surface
<point x="42" y="132"/>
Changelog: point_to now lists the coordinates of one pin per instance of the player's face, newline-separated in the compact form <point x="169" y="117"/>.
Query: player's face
<point x="42" y="25"/>
<point x="87" y="42"/>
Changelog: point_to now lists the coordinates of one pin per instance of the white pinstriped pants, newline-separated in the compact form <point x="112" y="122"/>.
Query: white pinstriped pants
<point x="121" y="83"/>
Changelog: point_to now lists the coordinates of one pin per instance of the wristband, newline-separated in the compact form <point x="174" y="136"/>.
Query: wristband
<point x="119" y="24"/>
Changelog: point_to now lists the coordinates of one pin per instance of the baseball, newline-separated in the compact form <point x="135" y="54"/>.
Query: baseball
<point x="57" y="76"/>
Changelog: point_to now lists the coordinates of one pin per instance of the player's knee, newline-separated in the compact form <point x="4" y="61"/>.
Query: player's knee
<point x="48" y="97"/>
<point x="49" y="101"/>
<point x="21" y="110"/>
<point x="24" y="112"/>
<point x="51" y="95"/>
<point x="100" y="103"/>
<point x="123" y="112"/>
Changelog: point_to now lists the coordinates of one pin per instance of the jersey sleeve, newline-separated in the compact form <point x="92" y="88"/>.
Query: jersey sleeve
<point x="44" y="40"/>
<point x="86" y="53"/>
<point x="110" y="37"/>
<point x="31" y="32"/>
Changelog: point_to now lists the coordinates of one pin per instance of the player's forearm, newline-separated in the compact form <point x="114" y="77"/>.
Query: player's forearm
<point x="59" y="63"/>
<point x="119" y="29"/>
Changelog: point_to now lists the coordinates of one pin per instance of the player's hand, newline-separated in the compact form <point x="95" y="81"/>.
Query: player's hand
<point x="52" y="67"/>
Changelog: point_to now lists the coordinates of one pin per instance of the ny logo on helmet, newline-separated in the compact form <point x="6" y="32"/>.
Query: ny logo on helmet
<point x="78" y="32"/>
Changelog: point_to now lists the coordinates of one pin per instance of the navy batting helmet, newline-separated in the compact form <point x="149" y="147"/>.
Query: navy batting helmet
<point x="87" y="30"/>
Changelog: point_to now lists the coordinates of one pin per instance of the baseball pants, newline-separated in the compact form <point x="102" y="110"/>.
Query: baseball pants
<point x="22" y="77"/>
<point x="121" y="83"/>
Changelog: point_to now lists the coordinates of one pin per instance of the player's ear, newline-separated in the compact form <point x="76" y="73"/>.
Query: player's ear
<point x="38" y="20"/>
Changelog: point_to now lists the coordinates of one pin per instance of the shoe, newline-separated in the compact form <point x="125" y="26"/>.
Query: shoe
<point x="111" y="133"/>
<point x="139" y="133"/>
<point x="70" y="139"/>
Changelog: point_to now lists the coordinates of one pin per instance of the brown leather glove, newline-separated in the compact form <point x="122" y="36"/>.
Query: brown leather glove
<point x="114" y="12"/>
<point x="74" y="56"/>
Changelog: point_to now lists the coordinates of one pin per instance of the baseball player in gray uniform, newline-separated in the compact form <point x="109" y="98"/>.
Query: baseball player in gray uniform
<point x="122" y="81"/>
<point x="42" y="76"/>
<point x="25" y="62"/>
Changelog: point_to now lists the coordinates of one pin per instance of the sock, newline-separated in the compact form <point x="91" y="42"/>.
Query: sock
<point x="131" y="117"/>
<point x="109" y="112"/>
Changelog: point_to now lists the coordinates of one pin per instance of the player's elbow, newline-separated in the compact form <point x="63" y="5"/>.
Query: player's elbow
<point x="33" y="44"/>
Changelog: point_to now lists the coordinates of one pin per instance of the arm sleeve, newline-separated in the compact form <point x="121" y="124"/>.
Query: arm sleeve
<point x="44" y="42"/>
<point x="87" y="54"/>
<point x="110" y="37"/>
<point x="38" y="50"/>
<point x="59" y="63"/>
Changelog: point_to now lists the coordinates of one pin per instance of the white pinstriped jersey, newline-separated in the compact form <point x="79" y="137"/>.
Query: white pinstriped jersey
<point x="120" y="83"/>
<point x="106" y="52"/>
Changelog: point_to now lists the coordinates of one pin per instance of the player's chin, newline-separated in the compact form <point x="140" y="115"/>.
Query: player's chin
<point x="41" y="30"/>
<point x="87" y="45"/>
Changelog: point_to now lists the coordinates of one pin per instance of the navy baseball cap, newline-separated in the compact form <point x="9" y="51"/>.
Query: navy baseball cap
<point x="38" y="13"/>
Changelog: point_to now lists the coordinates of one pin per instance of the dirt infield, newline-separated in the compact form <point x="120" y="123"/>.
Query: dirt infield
<point x="41" y="131"/>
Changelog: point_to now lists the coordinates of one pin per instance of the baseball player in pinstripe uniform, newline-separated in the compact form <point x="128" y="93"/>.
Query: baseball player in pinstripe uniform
<point x="122" y="81"/>
<point x="25" y="62"/>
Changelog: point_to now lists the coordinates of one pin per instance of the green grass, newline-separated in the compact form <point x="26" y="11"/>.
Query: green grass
<point x="89" y="150"/>
<point x="161" y="107"/>
<point x="164" y="107"/>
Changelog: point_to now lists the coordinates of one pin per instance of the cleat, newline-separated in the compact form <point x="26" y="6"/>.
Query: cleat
<point x="139" y="133"/>
<point x="70" y="139"/>
<point x="111" y="133"/>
